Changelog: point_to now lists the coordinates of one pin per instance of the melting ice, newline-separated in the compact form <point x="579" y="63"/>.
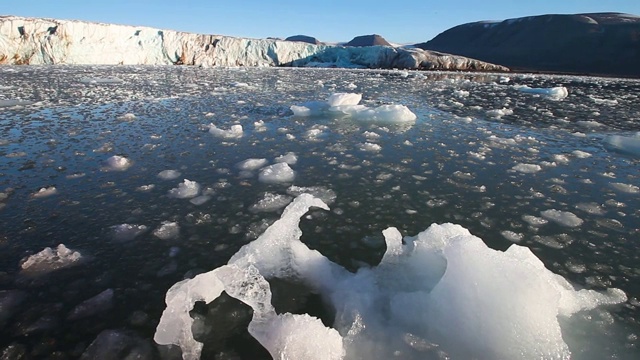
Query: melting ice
<point x="442" y="287"/>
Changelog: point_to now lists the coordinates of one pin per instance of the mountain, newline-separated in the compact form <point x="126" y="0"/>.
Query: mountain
<point x="304" y="38"/>
<point x="368" y="40"/>
<point x="597" y="43"/>
<point x="49" y="41"/>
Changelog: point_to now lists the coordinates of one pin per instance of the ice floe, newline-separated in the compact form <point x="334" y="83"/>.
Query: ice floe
<point x="438" y="287"/>
<point x="277" y="173"/>
<point x="554" y="93"/>
<point x="564" y="218"/>
<point x="185" y="190"/>
<point x="234" y="132"/>
<point x="127" y="232"/>
<point x="49" y="260"/>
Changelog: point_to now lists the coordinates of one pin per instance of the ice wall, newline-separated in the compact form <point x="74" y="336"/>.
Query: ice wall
<point x="50" y="41"/>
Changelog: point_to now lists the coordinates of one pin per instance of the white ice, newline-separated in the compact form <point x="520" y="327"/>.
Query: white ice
<point x="624" y="144"/>
<point x="168" y="230"/>
<point x="118" y="163"/>
<point x="626" y="188"/>
<point x="169" y="174"/>
<point x="235" y="132"/>
<point x="49" y="260"/>
<point x="554" y="93"/>
<point x="527" y="168"/>
<point x="564" y="218"/>
<point x="347" y="105"/>
<point x="271" y="202"/>
<point x="185" y="190"/>
<point x="442" y="287"/>
<point x="44" y="192"/>
<point x="289" y="158"/>
<point x="251" y="164"/>
<point x="127" y="232"/>
<point x="277" y="173"/>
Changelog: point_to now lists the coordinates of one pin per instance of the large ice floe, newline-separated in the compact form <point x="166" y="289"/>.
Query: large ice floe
<point x="440" y="293"/>
<point x="347" y="104"/>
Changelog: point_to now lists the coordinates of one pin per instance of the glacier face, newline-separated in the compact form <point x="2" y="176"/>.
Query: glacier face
<point x="50" y="41"/>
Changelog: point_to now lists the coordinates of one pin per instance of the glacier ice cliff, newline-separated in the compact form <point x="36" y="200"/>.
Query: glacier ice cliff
<point x="50" y="41"/>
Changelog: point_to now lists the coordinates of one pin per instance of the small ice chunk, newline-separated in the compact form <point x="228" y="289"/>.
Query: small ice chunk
<point x="126" y="232"/>
<point x="44" y="192"/>
<point x="98" y="304"/>
<point x="564" y="218"/>
<point x="327" y="196"/>
<point x="251" y="164"/>
<point x="624" y="144"/>
<point x="277" y="173"/>
<point x="310" y="108"/>
<point x="386" y="114"/>
<point x="118" y="163"/>
<point x="369" y="147"/>
<point x="271" y="202"/>
<point x="527" y="168"/>
<point x="168" y="230"/>
<point x="499" y="113"/>
<point x="185" y="190"/>
<point x="49" y="260"/>
<point x="169" y="174"/>
<point x="289" y="158"/>
<point x="199" y="200"/>
<point x="554" y="93"/>
<point x="625" y="188"/>
<point x="534" y="220"/>
<point x="127" y="117"/>
<point x="461" y="93"/>
<point x="581" y="154"/>
<point x="235" y="132"/>
<point x="512" y="236"/>
<point x="341" y="99"/>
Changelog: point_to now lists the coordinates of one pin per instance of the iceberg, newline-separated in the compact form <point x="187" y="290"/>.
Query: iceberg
<point x="440" y="293"/>
<point x="51" y="41"/>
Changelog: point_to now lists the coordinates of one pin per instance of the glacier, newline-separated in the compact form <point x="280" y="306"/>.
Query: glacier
<point x="39" y="41"/>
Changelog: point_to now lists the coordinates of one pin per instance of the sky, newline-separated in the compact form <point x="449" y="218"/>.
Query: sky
<point x="402" y="22"/>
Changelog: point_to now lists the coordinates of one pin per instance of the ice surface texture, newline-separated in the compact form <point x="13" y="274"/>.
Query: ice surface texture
<point x="49" y="41"/>
<point x="443" y="286"/>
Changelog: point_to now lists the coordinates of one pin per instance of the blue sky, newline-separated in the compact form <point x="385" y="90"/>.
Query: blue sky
<point x="327" y="20"/>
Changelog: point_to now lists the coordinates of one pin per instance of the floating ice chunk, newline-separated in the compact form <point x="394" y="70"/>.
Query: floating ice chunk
<point x="591" y="208"/>
<point x="554" y="93"/>
<point x="371" y="135"/>
<point x="44" y="192"/>
<point x="168" y="230"/>
<point x="235" y="132"/>
<point x="289" y="158"/>
<point x="341" y="99"/>
<point x="118" y="163"/>
<point x="603" y="101"/>
<point x="499" y="113"/>
<point x="624" y="144"/>
<point x="461" y="93"/>
<point x="95" y="305"/>
<point x="251" y="164"/>
<point x="169" y="174"/>
<point x="512" y="236"/>
<point x="564" y="218"/>
<point x="277" y="173"/>
<point x="14" y="102"/>
<point x="441" y="285"/>
<point x="626" y="188"/>
<point x="185" y="190"/>
<point x="527" y="168"/>
<point x="386" y="114"/>
<point x="127" y="232"/>
<point x="581" y="154"/>
<point x="199" y="200"/>
<point x="534" y="220"/>
<point x="127" y="117"/>
<point x="327" y="196"/>
<point x="370" y="147"/>
<point x="49" y="260"/>
<point x="310" y="108"/>
<point x="271" y="202"/>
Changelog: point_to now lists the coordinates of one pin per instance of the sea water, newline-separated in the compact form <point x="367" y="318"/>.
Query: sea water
<point x="112" y="192"/>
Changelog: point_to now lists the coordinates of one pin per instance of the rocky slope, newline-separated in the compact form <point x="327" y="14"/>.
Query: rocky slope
<point x="600" y="43"/>
<point x="48" y="41"/>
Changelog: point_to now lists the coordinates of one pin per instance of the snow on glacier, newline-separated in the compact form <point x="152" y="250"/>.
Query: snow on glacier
<point x="439" y="286"/>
